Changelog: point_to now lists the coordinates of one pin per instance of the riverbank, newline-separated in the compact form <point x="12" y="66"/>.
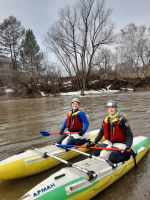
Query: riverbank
<point x="136" y="84"/>
<point x="94" y="87"/>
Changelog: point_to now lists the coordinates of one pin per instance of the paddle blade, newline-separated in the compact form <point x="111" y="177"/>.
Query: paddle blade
<point x="64" y="145"/>
<point x="44" y="133"/>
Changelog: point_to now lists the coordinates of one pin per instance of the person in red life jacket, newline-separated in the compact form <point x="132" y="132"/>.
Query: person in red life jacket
<point x="76" y="121"/>
<point x="117" y="133"/>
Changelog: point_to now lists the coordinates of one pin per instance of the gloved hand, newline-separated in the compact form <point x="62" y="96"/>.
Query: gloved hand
<point x="80" y="133"/>
<point x="92" y="144"/>
<point x="126" y="150"/>
<point x="61" y="132"/>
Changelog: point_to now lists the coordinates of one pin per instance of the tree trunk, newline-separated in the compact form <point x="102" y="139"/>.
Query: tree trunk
<point x="82" y="92"/>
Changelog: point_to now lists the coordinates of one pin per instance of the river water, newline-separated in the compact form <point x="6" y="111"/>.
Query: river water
<point x="22" y="120"/>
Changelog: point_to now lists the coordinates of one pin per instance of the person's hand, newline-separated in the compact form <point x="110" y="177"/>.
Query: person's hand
<point x="61" y="132"/>
<point x="80" y="133"/>
<point x="92" y="144"/>
<point x="127" y="150"/>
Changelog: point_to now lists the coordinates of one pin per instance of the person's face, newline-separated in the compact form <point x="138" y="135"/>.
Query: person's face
<point x="75" y="106"/>
<point x="111" y="110"/>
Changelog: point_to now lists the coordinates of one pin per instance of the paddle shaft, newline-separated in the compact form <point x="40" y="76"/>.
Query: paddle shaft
<point x="44" y="133"/>
<point x="102" y="148"/>
<point x="65" y="133"/>
<point x="93" y="175"/>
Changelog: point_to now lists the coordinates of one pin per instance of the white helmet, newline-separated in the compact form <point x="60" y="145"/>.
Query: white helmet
<point x="75" y="100"/>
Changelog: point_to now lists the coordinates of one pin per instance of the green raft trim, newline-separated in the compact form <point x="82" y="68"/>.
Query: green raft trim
<point x="60" y="192"/>
<point x="143" y="143"/>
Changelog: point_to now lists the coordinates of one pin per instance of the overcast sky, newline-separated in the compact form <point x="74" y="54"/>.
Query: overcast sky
<point x="39" y="15"/>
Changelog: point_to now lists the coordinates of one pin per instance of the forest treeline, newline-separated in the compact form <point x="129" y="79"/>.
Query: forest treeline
<point x="85" y="46"/>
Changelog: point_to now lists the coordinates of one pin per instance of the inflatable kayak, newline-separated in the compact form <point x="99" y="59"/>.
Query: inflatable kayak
<point x="85" y="179"/>
<point x="32" y="162"/>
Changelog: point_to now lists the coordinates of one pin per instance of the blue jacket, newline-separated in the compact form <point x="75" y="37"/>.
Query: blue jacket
<point x="82" y="118"/>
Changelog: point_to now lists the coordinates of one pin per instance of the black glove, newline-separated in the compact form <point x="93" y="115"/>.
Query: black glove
<point x="80" y="133"/>
<point x="92" y="144"/>
<point x="126" y="150"/>
<point x="61" y="132"/>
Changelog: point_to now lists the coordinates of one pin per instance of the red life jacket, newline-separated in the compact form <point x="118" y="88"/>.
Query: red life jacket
<point x="112" y="131"/>
<point x="72" y="122"/>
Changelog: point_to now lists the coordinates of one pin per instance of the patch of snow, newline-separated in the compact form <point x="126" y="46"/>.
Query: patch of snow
<point x="67" y="85"/>
<point x="129" y="89"/>
<point x="107" y="91"/>
<point x="93" y="81"/>
<point x="108" y="87"/>
<point x="71" y="93"/>
<point x="67" y="82"/>
<point x="89" y="92"/>
<point x="9" y="90"/>
<point x="42" y="94"/>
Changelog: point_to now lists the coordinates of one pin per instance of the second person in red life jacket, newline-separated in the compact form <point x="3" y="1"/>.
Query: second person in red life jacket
<point x="76" y="121"/>
<point x="117" y="133"/>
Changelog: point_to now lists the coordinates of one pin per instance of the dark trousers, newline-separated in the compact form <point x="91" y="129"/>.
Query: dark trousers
<point x="61" y="138"/>
<point x="71" y="140"/>
<point x="115" y="156"/>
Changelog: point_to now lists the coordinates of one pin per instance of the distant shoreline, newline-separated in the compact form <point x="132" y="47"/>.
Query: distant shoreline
<point x="95" y="87"/>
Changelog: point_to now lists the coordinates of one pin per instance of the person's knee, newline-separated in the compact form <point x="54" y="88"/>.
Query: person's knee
<point x="96" y="152"/>
<point x="71" y="141"/>
<point x="79" y="142"/>
<point x="126" y="156"/>
<point x="61" y="138"/>
<point x="103" y="145"/>
<point x="113" y="157"/>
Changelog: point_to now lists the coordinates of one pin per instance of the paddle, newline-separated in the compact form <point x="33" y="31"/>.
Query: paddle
<point x="109" y="149"/>
<point x="44" y="133"/>
<point x="91" y="174"/>
<point x="90" y="156"/>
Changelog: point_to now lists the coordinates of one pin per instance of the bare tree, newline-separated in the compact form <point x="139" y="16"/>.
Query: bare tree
<point x="11" y="34"/>
<point x="78" y="34"/>
<point x="53" y="74"/>
<point x="144" y="50"/>
<point x="104" y="62"/>
<point x="133" y="47"/>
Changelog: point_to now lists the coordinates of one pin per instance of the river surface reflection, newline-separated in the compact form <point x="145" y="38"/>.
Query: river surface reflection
<point x="22" y="121"/>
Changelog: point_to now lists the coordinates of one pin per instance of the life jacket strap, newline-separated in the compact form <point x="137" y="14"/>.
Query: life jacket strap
<point x="71" y="120"/>
<point x="108" y="128"/>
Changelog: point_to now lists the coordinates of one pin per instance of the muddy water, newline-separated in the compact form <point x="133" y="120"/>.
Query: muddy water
<point x="22" y="120"/>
